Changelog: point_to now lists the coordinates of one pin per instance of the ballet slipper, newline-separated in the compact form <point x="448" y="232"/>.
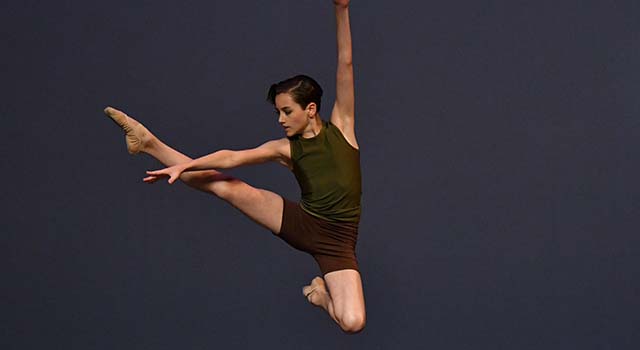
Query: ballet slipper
<point x="135" y="133"/>
<point x="311" y="292"/>
<point x="317" y="284"/>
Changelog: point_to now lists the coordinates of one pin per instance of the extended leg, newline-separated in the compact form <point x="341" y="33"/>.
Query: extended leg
<point x="263" y="207"/>
<point x="341" y="296"/>
<point x="139" y="139"/>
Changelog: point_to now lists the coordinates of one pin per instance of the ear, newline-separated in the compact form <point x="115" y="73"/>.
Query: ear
<point x="312" y="109"/>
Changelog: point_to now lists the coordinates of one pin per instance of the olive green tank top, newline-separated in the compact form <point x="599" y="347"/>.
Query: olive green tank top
<point x="327" y="168"/>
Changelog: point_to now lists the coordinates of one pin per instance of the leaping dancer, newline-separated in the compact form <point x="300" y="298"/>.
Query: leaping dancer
<point x="324" y="157"/>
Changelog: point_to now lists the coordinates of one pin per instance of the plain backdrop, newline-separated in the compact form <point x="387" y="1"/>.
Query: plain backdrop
<point x="499" y="146"/>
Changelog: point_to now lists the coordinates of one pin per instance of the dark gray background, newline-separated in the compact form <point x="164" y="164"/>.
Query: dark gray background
<point x="499" y="144"/>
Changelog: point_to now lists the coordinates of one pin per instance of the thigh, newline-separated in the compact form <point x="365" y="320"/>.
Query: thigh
<point x="262" y="206"/>
<point x="345" y="288"/>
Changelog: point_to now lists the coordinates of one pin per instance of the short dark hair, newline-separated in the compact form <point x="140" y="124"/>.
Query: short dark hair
<point x="303" y="90"/>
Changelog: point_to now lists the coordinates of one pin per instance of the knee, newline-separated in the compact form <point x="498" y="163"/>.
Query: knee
<point x="201" y="179"/>
<point x="223" y="188"/>
<point x="352" y="322"/>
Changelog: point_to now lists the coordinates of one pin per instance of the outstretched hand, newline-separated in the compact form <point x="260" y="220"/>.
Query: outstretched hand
<point x="343" y="3"/>
<point x="172" y="172"/>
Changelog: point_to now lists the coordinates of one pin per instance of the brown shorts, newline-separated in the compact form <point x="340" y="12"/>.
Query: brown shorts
<point x="332" y="244"/>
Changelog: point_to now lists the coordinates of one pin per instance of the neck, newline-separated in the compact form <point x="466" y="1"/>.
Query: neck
<point x="313" y="128"/>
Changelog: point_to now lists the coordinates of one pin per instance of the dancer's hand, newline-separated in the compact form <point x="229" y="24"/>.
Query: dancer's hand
<point x="343" y="3"/>
<point x="172" y="172"/>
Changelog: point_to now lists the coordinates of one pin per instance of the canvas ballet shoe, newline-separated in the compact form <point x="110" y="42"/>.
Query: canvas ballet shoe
<point x="136" y="134"/>
<point x="311" y="291"/>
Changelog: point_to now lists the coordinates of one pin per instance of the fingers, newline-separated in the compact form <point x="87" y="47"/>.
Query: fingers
<point x="150" y="179"/>
<point x="156" y="175"/>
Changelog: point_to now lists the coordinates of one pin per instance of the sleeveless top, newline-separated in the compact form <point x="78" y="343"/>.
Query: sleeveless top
<point x="327" y="169"/>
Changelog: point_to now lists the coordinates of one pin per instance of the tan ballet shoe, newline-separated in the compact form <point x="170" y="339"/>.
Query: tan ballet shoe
<point x="135" y="133"/>
<point x="317" y="286"/>
<point x="307" y="295"/>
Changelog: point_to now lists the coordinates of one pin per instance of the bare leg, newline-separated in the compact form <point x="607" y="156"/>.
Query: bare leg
<point x="139" y="139"/>
<point x="343" y="300"/>
<point x="263" y="207"/>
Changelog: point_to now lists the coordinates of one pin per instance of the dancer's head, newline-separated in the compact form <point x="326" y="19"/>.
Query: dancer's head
<point x="303" y="89"/>
<point x="297" y="102"/>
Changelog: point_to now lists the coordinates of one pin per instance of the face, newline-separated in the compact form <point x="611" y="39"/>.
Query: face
<point x="291" y="116"/>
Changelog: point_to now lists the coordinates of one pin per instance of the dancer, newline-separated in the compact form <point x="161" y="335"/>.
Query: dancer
<point x="324" y="157"/>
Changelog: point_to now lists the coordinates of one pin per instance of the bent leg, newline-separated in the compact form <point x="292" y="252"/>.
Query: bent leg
<point x="341" y="295"/>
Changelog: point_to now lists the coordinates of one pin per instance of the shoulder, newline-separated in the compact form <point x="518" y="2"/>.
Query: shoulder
<point x="277" y="150"/>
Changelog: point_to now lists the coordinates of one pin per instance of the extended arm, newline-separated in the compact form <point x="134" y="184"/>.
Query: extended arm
<point x="276" y="150"/>
<point x="343" y="114"/>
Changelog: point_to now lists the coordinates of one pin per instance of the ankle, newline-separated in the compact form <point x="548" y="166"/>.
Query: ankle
<point x="149" y="143"/>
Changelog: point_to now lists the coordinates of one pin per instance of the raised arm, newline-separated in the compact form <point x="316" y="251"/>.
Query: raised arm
<point x="276" y="150"/>
<point x="344" y="108"/>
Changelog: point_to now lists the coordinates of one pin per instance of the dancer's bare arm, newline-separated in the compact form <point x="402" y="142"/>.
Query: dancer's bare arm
<point x="343" y="114"/>
<point x="275" y="150"/>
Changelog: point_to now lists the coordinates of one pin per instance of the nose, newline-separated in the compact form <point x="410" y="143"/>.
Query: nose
<point x="280" y="118"/>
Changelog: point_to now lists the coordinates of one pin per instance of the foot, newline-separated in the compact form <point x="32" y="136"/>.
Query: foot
<point x="316" y="292"/>
<point x="136" y="135"/>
